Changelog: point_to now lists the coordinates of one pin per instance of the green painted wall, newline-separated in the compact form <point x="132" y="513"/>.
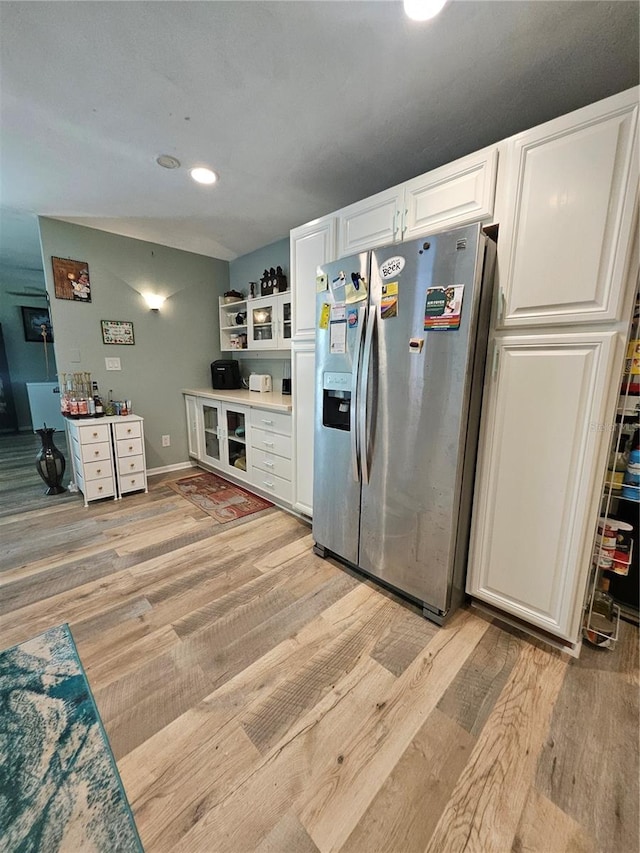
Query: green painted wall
<point x="249" y="268"/>
<point x="174" y="347"/>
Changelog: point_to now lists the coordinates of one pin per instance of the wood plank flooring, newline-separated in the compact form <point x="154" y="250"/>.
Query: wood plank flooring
<point x="259" y="698"/>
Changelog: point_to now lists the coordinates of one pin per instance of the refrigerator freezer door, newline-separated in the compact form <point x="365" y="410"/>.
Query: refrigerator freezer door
<point x="340" y="319"/>
<point x="418" y="406"/>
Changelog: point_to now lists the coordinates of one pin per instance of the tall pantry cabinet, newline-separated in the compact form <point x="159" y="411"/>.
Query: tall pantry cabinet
<point x="567" y="206"/>
<point x="311" y="246"/>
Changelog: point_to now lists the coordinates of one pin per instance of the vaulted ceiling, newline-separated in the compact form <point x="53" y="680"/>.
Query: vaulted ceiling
<point x="301" y="107"/>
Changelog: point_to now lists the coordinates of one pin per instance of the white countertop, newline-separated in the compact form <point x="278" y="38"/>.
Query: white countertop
<point x="268" y="400"/>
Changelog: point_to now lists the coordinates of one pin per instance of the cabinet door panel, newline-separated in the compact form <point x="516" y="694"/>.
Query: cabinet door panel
<point x="192" y="426"/>
<point x="372" y="222"/>
<point x="458" y="193"/>
<point x="311" y="246"/>
<point x="535" y="503"/>
<point x="566" y="228"/>
<point x="303" y="375"/>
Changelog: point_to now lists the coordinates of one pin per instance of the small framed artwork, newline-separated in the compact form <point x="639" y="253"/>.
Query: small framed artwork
<point x="71" y="279"/>
<point x="117" y="332"/>
<point x="37" y="324"/>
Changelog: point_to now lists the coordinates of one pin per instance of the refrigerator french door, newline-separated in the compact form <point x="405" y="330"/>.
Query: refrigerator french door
<point x="400" y="353"/>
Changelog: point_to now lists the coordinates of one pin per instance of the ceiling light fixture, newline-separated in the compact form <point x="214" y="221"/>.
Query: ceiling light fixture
<point x="423" y="10"/>
<point x="203" y="176"/>
<point x="168" y="162"/>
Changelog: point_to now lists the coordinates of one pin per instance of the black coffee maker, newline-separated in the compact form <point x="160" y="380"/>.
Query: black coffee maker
<point x="225" y="375"/>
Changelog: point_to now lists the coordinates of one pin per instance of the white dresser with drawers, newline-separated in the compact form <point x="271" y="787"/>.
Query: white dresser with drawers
<point x="107" y="456"/>
<point x="271" y="452"/>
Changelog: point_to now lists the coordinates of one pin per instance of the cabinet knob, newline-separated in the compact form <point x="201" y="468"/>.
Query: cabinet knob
<point x="131" y="447"/>
<point x="133" y="464"/>
<point x="95" y="434"/>
<point x="99" y="488"/>
<point x="133" y="481"/>
<point x="129" y="430"/>
<point x="99" y="471"/>
<point x="96" y="453"/>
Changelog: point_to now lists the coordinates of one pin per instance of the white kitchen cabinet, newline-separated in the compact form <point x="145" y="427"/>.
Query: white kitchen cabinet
<point x="566" y="199"/>
<point x="223" y="430"/>
<point x="452" y="195"/>
<point x="233" y="324"/>
<point x="539" y="462"/>
<point x="269" y="322"/>
<point x="311" y="245"/>
<point x="455" y="194"/>
<point x="193" y="442"/>
<point x="375" y="221"/>
<point x="303" y="369"/>
<point x="271" y="468"/>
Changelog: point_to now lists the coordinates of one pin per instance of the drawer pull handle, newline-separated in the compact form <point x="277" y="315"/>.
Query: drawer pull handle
<point x="268" y="483"/>
<point x="268" y="443"/>
<point x="268" y="464"/>
<point x="266" y="421"/>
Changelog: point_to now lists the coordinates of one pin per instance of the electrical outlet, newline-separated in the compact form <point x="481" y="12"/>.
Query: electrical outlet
<point x="166" y="440"/>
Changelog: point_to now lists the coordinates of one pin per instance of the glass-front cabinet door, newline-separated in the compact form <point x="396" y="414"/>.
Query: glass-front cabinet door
<point x="211" y="435"/>
<point x="270" y="322"/>
<point x="262" y="323"/>
<point x="236" y="424"/>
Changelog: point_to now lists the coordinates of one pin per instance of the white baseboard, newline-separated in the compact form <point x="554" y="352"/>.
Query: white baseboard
<point x="168" y="468"/>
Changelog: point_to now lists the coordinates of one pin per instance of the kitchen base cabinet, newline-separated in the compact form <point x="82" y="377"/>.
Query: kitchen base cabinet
<point x="245" y="442"/>
<point x="193" y="441"/>
<point x="541" y="448"/>
<point x="107" y="456"/>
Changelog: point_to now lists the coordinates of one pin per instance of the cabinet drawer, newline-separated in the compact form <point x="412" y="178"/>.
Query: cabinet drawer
<point x="132" y="482"/>
<point x="97" y="470"/>
<point x="93" y="433"/>
<point x="95" y="452"/>
<point x="130" y="465"/>
<point x="99" y="488"/>
<point x="272" y="464"/>
<point x="271" y="442"/>
<point x="129" y="447"/>
<point x="130" y="430"/>
<point x="272" y="421"/>
<point x="269" y="483"/>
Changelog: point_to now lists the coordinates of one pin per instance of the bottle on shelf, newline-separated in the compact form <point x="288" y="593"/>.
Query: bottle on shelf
<point x="600" y="627"/>
<point x="631" y="481"/>
<point x="97" y="402"/>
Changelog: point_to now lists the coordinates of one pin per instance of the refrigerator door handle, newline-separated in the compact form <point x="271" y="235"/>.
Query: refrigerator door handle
<point x="363" y="395"/>
<point x="353" y="414"/>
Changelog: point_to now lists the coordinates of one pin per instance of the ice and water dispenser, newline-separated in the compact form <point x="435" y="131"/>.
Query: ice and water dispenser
<point x="336" y="400"/>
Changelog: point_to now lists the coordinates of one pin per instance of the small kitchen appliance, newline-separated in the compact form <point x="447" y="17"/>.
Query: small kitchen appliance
<point x="225" y="375"/>
<point x="260" y="382"/>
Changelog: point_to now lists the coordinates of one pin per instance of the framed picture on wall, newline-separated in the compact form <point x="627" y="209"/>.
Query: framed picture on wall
<point x="117" y="332"/>
<point x="71" y="279"/>
<point x="37" y="324"/>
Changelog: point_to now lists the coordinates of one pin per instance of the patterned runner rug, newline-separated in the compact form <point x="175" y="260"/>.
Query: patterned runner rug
<point x="220" y="499"/>
<point x="59" y="786"/>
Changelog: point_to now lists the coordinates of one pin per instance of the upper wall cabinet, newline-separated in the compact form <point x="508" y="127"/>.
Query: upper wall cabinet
<point x="566" y="197"/>
<point x="311" y="245"/>
<point x="373" y="222"/>
<point x="460" y="192"/>
<point x="456" y="194"/>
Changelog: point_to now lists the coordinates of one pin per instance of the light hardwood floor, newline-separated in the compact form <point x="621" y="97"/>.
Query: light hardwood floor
<point x="258" y="698"/>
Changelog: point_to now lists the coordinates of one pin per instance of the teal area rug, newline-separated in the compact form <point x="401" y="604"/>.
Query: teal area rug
<point x="59" y="786"/>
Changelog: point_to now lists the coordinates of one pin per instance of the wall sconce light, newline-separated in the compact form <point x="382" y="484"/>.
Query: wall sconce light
<point x="154" y="300"/>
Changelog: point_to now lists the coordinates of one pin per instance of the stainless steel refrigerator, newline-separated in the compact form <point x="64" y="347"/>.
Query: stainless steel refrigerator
<point x="401" y="344"/>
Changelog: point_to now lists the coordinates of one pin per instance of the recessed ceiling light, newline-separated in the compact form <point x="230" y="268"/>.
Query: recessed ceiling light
<point x="423" y="10"/>
<point x="168" y="162"/>
<point x="203" y="176"/>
